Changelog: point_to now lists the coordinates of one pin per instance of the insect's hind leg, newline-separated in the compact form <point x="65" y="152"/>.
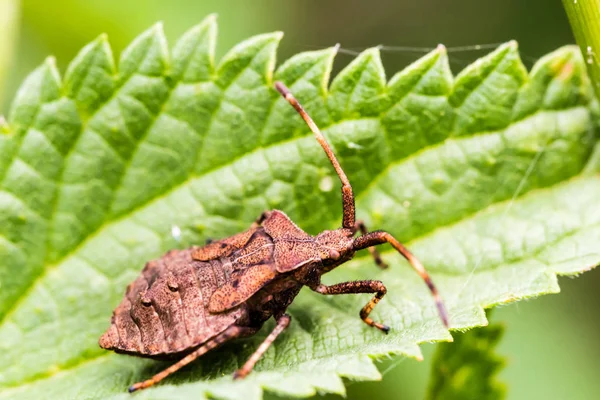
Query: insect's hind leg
<point x="360" y="226"/>
<point x="230" y="333"/>
<point x="282" y="323"/>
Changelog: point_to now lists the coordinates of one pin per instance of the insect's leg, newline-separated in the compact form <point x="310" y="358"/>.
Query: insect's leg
<point x="347" y="195"/>
<point x="260" y="219"/>
<point x="379" y="237"/>
<point x="282" y="323"/>
<point x="369" y="286"/>
<point x="360" y="226"/>
<point x="230" y="333"/>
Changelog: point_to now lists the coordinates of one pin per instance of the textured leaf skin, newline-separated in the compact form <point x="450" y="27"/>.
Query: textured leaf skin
<point x="467" y="368"/>
<point x="492" y="178"/>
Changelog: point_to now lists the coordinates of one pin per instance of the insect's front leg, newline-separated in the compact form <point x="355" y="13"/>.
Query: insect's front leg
<point x="368" y="286"/>
<point x="282" y="323"/>
<point x="360" y="226"/>
<point x="379" y="237"/>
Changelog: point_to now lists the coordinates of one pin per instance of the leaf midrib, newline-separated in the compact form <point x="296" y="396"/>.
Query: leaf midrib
<point x="100" y="44"/>
<point x="359" y="195"/>
<point x="100" y="356"/>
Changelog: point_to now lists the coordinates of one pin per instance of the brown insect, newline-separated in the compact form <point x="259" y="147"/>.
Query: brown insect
<point x="190" y="301"/>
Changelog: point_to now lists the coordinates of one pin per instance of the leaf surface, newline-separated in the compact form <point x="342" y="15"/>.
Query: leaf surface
<point x="491" y="177"/>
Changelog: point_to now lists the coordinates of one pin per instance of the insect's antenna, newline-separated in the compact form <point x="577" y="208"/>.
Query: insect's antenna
<point x="347" y="195"/>
<point x="417" y="266"/>
<point x="379" y="237"/>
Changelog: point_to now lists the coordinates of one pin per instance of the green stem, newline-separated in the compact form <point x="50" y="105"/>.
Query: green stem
<point x="584" y="16"/>
<point x="9" y="19"/>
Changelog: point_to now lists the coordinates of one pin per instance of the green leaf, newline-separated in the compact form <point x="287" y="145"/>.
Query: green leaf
<point x="486" y="176"/>
<point x="467" y="368"/>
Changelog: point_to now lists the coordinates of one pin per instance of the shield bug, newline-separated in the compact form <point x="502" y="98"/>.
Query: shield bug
<point x="191" y="301"/>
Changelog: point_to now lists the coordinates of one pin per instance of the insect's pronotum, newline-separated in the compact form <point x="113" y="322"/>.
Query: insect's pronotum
<point x="190" y="301"/>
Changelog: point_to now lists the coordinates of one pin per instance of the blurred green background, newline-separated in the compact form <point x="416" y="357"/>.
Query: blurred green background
<point x="551" y="343"/>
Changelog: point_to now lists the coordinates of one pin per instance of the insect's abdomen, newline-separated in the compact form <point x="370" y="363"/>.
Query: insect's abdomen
<point x="165" y="311"/>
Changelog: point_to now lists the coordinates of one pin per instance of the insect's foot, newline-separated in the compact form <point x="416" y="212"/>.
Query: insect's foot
<point x="140" y="385"/>
<point x="383" y="328"/>
<point x="382" y="264"/>
<point x="239" y="374"/>
<point x="377" y="258"/>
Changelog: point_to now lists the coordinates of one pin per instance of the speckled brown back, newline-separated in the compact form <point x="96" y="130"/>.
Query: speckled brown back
<point x="165" y="311"/>
<point x="188" y="296"/>
<point x="293" y="247"/>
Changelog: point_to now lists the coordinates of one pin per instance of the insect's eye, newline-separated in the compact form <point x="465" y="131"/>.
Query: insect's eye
<point x="173" y="287"/>
<point x="146" y="302"/>
<point x="334" y="254"/>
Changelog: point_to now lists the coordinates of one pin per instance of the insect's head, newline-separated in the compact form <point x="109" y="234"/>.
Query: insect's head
<point x="336" y="247"/>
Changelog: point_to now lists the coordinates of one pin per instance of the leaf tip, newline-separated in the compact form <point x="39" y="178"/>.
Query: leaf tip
<point x="572" y="49"/>
<point x="50" y="64"/>
<point x="50" y="61"/>
<point x="336" y="48"/>
<point x="210" y="24"/>
<point x="263" y="38"/>
<point x="210" y="18"/>
<point x="562" y="63"/>
<point x="511" y="46"/>
<point x="102" y="38"/>
<point x="158" y="28"/>
<point x="371" y="52"/>
<point x="101" y="42"/>
<point x="368" y="56"/>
